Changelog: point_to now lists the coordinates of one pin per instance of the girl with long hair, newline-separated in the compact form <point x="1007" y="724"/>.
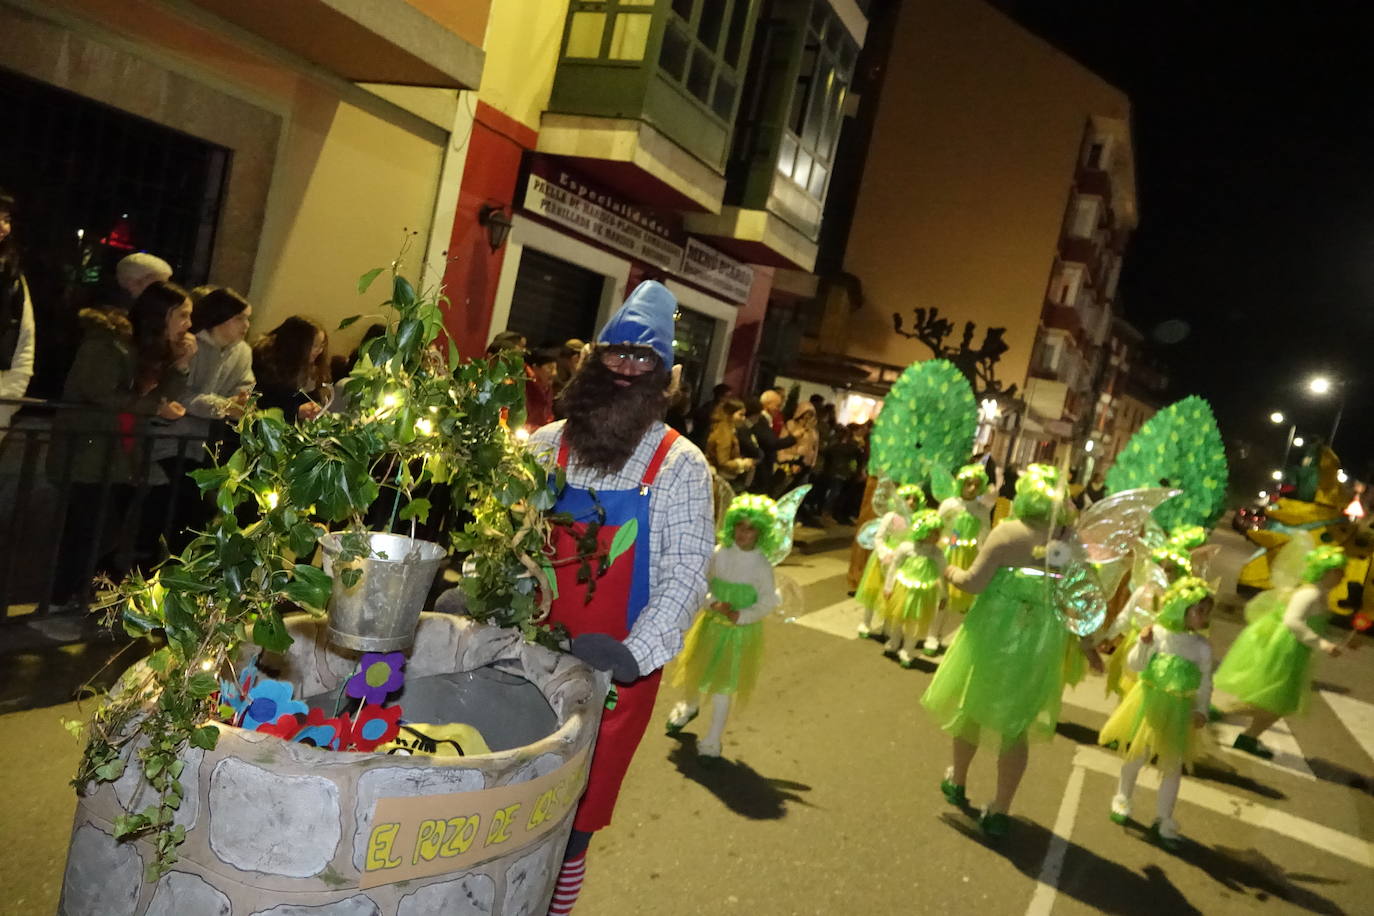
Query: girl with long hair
<point x="291" y="363"/>
<point x="126" y="371"/>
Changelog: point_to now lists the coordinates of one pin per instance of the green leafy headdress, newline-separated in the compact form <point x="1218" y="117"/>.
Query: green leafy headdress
<point x="925" y="523"/>
<point x="927" y="423"/>
<point x="1321" y="561"/>
<point x="1037" y="492"/>
<point x="975" y="472"/>
<point x="1181" y="445"/>
<point x="1177" y="598"/>
<point x="758" y="511"/>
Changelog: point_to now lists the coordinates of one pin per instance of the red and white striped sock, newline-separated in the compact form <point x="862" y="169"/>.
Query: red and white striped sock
<point x="569" y="886"/>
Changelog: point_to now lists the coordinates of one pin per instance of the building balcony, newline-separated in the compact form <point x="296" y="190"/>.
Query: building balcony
<point x="1064" y="318"/>
<point x="652" y="90"/>
<point x="1097" y="182"/>
<point x="419" y="43"/>
<point x="1079" y="251"/>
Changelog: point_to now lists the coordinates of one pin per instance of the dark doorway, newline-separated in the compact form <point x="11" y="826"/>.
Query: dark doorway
<point x="554" y="300"/>
<point x="93" y="184"/>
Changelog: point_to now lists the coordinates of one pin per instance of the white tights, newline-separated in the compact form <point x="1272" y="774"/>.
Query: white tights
<point x="1170" y="776"/>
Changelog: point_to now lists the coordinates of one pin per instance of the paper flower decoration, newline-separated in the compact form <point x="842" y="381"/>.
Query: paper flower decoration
<point x="379" y="675"/>
<point x="233" y="697"/>
<point x="927" y="424"/>
<point x="285" y="728"/>
<point x="1362" y="622"/>
<point x="325" y="732"/>
<point x="375" y="725"/>
<point x="268" y="701"/>
<point x="1180" y="444"/>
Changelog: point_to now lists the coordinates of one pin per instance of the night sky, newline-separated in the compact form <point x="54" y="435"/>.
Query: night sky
<point x="1254" y="141"/>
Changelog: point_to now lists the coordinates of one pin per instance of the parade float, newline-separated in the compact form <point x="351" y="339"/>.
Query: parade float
<point x="305" y="739"/>
<point x="1321" y="506"/>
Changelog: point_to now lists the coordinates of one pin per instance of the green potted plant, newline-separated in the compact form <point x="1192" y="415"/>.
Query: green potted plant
<point x="417" y="417"/>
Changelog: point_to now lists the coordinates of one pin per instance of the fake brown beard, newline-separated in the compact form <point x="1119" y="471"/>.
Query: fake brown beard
<point x="606" y="420"/>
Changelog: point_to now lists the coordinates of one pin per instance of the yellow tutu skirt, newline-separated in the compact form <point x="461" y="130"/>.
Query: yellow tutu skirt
<point x="870" y="591"/>
<point x="1120" y="678"/>
<point x="958" y="600"/>
<point x="1151" y="723"/>
<point x="720" y="657"/>
<point x="907" y="604"/>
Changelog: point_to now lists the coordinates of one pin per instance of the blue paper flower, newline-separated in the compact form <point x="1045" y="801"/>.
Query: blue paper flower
<point x="268" y="701"/>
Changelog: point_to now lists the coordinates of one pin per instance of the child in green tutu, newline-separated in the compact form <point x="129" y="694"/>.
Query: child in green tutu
<point x="1003" y="677"/>
<point x="1269" y="666"/>
<point x="724" y="648"/>
<point x="1163" y="713"/>
<point x="874" y="589"/>
<point x="914" y="587"/>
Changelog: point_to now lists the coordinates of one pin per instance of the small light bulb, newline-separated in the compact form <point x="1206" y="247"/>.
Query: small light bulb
<point x="1277" y="475"/>
<point x="272" y="499"/>
<point x="424" y="427"/>
<point x="390" y="400"/>
<point x="522" y="434"/>
<point x="1342" y="476"/>
<point x="207" y="665"/>
<point x="1264" y="494"/>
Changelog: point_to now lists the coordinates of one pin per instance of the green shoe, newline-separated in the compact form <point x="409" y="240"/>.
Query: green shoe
<point x="1252" y="746"/>
<point x="954" y="793"/>
<point x="1168" y="839"/>
<point x="994" y="824"/>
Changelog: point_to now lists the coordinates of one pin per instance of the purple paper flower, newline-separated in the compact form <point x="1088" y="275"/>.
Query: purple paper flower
<point x="268" y="701"/>
<point x="379" y="675"/>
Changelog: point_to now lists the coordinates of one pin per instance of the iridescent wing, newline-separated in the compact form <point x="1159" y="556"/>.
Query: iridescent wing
<point x="1077" y="595"/>
<point x="786" y="522"/>
<point x="885" y="497"/>
<point x="792" y="600"/>
<point x="1110" y="527"/>
<point x="1285" y="570"/>
<point x="868" y="534"/>
<point x="1202" y="559"/>
<point x="942" y="484"/>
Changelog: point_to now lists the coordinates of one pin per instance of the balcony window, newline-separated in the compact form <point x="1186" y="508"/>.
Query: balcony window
<point x="609" y="30"/>
<point x="720" y="28"/>
<point x="817" y="106"/>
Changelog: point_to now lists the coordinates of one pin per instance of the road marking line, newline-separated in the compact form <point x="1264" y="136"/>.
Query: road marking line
<point x="1356" y="715"/>
<point x="1319" y="836"/>
<point x="839" y="619"/>
<point x="1047" y="888"/>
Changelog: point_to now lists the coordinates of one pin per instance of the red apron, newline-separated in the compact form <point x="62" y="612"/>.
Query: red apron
<point x="618" y="578"/>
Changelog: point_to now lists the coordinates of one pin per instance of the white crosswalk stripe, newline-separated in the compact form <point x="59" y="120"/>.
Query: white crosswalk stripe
<point x="1356" y="715"/>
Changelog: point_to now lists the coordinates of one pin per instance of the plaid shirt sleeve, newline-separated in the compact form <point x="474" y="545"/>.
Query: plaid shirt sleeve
<point x="682" y="538"/>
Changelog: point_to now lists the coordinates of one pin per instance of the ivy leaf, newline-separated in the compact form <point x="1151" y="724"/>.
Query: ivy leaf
<point x="202" y="684"/>
<point x="350" y="320"/>
<point x="111" y="771"/>
<point x="179" y="578"/>
<point x="270" y="633"/>
<point x="350" y="576"/>
<point x="302" y="538"/>
<point x="624" y="539"/>
<point x="159" y="660"/>
<point x="417" y="509"/>
<point x="309" y="587"/>
<point x="206" y="737"/>
<point x="366" y="279"/>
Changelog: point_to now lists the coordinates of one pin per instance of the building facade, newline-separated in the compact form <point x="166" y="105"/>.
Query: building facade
<point x="279" y="149"/>
<point x="688" y="141"/>
<point x="975" y="184"/>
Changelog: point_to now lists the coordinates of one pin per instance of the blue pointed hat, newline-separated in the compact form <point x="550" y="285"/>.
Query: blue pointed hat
<point x="645" y="320"/>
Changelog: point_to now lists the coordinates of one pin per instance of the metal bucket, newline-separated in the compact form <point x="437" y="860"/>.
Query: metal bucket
<point x="380" y="612"/>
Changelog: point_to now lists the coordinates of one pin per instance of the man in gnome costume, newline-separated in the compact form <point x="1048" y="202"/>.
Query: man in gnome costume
<point x="625" y="469"/>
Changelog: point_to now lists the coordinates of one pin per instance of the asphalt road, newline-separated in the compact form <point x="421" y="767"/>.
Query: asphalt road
<point x="827" y="801"/>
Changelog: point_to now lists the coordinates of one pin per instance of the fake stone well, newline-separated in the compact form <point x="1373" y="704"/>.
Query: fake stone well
<point x="275" y="828"/>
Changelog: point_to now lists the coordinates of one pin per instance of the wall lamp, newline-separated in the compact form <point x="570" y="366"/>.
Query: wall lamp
<point x="497" y="224"/>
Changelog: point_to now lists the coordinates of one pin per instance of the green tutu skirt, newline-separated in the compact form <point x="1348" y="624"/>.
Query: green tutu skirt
<point x="1268" y="668"/>
<point x="720" y="657"/>
<point x="1156" y="717"/>
<point x="870" y="591"/>
<point x="1003" y="676"/>
<point x="961" y="556"/>
<point x="907" y="603"/>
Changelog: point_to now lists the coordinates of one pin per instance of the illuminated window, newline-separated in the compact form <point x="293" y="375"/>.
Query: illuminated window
<point x="817" y="107"/>
<point x="702" y="50"/>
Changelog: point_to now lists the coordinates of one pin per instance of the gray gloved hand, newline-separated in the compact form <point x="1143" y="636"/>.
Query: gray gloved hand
<point x="452" y="601"/>
<point x="606" y="653"/>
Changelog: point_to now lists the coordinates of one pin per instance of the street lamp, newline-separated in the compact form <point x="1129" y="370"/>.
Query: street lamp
<point x="1298" y="442"/>
<point x="1320" y="385"/>
<point x="1276" y="417"/>
<point x="1277" y="475"/>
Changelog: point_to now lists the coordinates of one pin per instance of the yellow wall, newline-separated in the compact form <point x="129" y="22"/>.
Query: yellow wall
<point x="523" y="38"/>
<point x="346" y="183"/>
<point x="967" y="179"/>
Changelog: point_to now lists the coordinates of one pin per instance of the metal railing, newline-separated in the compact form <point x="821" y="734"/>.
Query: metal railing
<point x="58" y="532"/>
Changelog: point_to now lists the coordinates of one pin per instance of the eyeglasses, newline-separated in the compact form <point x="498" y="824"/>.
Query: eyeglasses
<point x="617" y="356"/>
